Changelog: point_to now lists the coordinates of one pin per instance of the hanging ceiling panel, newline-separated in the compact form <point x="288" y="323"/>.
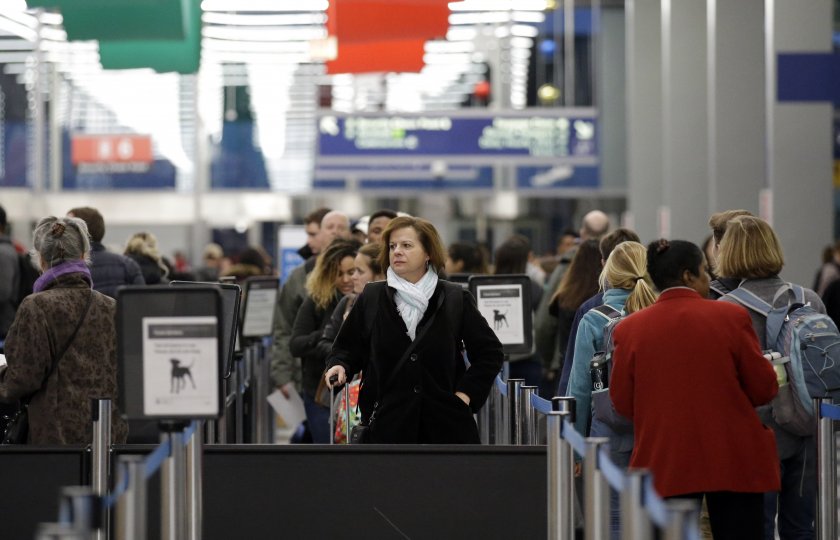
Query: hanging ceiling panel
<point x="161" y="55"/>
<point x="117" y="20"/>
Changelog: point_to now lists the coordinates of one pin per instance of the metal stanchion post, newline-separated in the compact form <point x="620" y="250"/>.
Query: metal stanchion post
<point x="131" y="507"/>
<point x="567" y="474"/>
<point x="635" y="524"/>
<point x="210" y="430"/>
<point x="253" y="385"/>
<point x="826" y="474"/>
<point x="194" y="495"/>
<point x="561" y="523"/>
<point x="499" y="432"/>
<point x="565" y="403"/>
<point x="100" y="453"/>
<point x="514" y="411"/>
<point x="80" y="507"/>
<point x="239" y="413"/>
<point x="173" y="489"/>
<point x="681" y="513"/>
<point x="222" y="422"/>
<point x="59" y="531"/>
<point x="263" y="414"/>
<point x="528" y="416"/>
<point x="596" y="492"/>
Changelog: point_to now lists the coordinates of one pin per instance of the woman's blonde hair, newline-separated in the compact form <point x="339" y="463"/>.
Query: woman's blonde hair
<point x="144" y="243"/>
<point x="321" y="281"/>
<point x="749" y="249"/>
<point x="626" y="268"/>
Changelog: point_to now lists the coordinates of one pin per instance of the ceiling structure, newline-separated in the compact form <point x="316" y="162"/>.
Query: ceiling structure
<point x="279" y="52"/>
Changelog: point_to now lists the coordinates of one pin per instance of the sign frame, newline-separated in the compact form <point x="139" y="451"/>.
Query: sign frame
<point x="251" y="284"/>
<point x="498" y="291"/>
<point x="139" y="307"/>
<point x="231" y="302"/>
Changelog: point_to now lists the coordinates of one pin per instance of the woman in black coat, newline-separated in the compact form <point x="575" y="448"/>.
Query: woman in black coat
<point x="327" y="284"/>
<point x="427" y="395"/>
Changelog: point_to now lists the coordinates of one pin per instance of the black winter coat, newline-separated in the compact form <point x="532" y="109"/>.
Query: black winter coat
<point x="307" y="330"/>
<point x="419" y="405"/>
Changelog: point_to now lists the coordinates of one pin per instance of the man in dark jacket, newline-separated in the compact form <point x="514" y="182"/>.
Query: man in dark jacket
<point x="284" y="367"/>
<point x="108" y="270"/>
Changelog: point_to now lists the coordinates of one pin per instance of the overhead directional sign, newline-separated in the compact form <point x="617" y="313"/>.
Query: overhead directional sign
<point x="532" y="136"/>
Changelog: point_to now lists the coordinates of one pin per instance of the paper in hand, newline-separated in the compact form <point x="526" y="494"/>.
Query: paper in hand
<point x="291" y="409"/>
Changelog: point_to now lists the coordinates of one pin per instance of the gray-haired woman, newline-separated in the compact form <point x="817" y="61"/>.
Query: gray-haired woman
<point x="61" y="348"/>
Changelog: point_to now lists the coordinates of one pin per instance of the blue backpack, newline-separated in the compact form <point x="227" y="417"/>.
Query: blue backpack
<point x="808" y="347"/>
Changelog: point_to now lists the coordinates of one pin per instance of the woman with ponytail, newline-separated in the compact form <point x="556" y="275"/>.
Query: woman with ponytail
<point x="688" y="372"/>
<point x="627" y="289"/>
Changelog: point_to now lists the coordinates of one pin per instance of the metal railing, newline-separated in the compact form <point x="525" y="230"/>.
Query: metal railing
<point x="513" y="416"/>
<point x="84" y="510"/>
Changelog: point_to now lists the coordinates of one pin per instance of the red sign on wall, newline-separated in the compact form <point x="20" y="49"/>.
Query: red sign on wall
<point x="104" y="149"/>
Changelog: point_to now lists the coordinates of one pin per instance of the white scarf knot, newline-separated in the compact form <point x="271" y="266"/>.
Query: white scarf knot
<point x="412" y="298"/>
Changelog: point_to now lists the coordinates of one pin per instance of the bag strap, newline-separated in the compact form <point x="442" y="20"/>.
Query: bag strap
<point x="69" y="342"/>
<point x="798" y="293"/>
<point x="608" y="312"/>
<point x="717" y="286"/>
<point x="750" y="301"/>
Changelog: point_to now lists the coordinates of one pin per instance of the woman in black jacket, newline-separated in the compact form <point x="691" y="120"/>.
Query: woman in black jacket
<point x="327" y="284"/>
<point x="417" y="387"/>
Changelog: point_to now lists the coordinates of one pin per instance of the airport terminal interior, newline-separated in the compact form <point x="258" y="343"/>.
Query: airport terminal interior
<point x="210" y="146"/>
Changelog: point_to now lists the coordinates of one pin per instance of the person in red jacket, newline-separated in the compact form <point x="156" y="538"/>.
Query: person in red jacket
<point x="689" y="373"/>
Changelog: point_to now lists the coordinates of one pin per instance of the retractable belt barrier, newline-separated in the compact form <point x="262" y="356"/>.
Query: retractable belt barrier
<point x="513" y="410"/>
<point x="84" y="510"/>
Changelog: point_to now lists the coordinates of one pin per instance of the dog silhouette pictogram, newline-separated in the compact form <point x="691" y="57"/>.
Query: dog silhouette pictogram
<point x="499" y="318"/>
<point x="178" y="376"/>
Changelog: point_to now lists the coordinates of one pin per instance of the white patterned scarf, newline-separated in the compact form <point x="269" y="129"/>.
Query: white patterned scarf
<point x="412" y="298"/>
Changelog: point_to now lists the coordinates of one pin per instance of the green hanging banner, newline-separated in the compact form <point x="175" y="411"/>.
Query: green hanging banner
<point x="163" y="56"/>
<point x="118" y="20"/>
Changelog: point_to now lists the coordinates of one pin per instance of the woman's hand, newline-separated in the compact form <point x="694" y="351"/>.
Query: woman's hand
<point x="464" y="397"/>
<point x="337" y="371"/>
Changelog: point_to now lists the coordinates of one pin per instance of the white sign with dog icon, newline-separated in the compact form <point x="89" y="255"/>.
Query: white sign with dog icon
<point x="180" y="366"/>
<point x="502" y="306"/>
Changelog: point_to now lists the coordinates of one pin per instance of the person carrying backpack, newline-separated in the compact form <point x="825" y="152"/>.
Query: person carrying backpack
<point x="688" y="372"/>
<point x="627" y="289"/>
<point x="751" y="251"/>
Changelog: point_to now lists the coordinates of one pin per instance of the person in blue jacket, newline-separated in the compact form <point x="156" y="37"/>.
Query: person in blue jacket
<point x="627" y="289"/>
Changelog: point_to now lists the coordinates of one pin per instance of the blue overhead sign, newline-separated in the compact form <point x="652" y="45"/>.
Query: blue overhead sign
<point x="534" y="136"/>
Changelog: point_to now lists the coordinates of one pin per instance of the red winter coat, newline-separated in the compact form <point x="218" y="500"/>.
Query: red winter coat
<point x="689" y="372"/>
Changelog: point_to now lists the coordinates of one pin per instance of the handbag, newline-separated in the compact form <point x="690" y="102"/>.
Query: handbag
<point x="16" y="428"/>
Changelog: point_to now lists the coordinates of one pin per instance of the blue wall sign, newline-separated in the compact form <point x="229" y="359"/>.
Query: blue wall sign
<point x="532" y="136"/>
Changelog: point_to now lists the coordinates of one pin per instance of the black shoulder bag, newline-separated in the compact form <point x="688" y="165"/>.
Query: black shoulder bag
<point x="360" y="433"/>
<point x="16" y="427"/>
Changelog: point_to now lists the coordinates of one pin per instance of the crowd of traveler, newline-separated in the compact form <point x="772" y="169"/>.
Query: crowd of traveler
<point x="687" y="385"/>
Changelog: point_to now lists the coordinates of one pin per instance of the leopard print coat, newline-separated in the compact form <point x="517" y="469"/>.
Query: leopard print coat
<point x="60" y="409"/>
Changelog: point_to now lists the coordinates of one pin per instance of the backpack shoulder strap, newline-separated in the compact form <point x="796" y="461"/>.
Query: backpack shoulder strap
<point x="798" y="293"/>
<point x="607" y="312"/>
<point x="750" y="301"/>
<point x="717" y="286"/>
